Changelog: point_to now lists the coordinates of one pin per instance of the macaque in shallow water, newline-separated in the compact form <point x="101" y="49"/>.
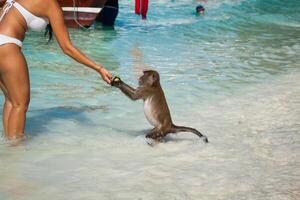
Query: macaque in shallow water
<point x="155" y="105"/>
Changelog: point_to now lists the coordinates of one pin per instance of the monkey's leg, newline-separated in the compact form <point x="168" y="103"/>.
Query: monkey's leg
<point x="157" y="135"/>
<point x="176" y="129"/>
<point x="162" y="134"/>
<point x="151" y="133"/>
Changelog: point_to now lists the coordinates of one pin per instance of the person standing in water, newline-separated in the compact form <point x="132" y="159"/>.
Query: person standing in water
<point x="15" y="18"/>
<point x="109" y="13"/>
<point x="141" y="8"/>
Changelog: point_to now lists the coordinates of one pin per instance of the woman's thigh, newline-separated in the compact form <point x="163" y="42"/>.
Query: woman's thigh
<point x="14" y="74"/>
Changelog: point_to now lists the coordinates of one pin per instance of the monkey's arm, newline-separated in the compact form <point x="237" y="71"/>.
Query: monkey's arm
<point x="133" y="94"/>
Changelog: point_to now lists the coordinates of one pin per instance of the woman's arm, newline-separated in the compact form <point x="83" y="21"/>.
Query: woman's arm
<point x="55" y="15"/>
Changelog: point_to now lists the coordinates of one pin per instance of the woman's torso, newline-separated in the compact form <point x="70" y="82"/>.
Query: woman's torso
<point x="14" y="24"/>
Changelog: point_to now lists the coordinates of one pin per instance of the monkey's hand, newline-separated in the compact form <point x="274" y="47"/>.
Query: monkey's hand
<point x="117" y="82"/>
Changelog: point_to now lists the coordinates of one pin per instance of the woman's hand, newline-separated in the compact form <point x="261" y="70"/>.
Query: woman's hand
<point x="105" y="75"/>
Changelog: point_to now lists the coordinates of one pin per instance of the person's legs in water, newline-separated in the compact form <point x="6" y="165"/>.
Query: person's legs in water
<point x="137" y="7"/>
<point x="144" y="8"/>
<point x="141" y="7"/>
<point x="109" y="13"/>
<point x="15" y="80"/>
<point x="6" y="107"/>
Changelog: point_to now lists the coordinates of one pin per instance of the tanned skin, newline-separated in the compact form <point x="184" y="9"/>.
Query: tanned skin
<point x="155" y="105"/>
<point x="14" y="73"/>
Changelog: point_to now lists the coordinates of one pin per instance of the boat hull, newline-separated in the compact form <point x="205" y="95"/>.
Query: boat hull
<point x="81" y="12"/>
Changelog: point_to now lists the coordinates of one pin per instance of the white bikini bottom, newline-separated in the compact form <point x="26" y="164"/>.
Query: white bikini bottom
<point x="6" y="39"/>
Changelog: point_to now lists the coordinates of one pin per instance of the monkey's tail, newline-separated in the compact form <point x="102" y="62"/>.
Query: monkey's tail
<point x="176" y="129"/>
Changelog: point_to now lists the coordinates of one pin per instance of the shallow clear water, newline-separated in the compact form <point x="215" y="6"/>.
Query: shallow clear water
<point x="233" y="74"/>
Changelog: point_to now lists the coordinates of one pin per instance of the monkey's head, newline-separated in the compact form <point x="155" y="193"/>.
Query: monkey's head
<point x="149" y="78"/>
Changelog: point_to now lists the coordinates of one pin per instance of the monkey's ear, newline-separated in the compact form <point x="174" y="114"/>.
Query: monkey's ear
<point x="153" y="79"/>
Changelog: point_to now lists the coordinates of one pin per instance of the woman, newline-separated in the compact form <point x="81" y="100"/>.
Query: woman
<point x="16" y="17"/>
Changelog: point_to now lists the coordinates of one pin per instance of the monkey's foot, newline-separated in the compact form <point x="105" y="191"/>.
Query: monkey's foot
<point x="150" y="135"/>
<point x="115" y="81"/>
<point x="155" y="137"/>
<point x="151" y="142"/>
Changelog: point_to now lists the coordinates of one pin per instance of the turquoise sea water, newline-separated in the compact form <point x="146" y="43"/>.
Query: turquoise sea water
<point x="233" y="73"/>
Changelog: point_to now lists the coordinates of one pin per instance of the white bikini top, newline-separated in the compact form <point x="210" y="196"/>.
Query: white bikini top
<point x="33" y="22"/>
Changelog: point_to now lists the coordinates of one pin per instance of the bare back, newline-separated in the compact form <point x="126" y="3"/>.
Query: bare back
<point x="161" y="111"/>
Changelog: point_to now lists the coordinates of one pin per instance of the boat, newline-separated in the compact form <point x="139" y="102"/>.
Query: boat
<point x="81" y="13"/>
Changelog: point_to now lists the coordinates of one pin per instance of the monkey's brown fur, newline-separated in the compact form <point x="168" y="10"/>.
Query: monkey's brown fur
<point x="155" y="105"/>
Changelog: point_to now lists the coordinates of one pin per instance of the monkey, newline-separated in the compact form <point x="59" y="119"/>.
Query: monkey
<point x="156" y="108"/>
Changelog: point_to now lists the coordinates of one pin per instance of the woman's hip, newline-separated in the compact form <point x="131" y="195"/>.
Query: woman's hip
<point x="4" y="39"/>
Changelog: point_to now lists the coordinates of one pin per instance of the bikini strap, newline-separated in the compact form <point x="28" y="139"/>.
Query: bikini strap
<point x="8" y="4"/>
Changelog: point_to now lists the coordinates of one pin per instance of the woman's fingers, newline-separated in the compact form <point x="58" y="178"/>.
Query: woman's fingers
<point x="107" y="79"/>
<point x="106" y="76"/>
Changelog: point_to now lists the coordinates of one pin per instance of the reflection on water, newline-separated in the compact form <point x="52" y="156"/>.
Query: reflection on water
<point x="233" y="74"/>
